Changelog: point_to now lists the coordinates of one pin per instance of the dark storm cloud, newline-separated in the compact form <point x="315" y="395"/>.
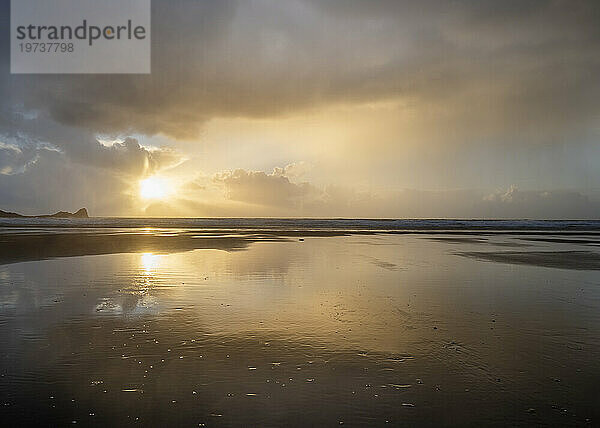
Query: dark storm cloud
<point x="29" y="132"/>
<point x="54" y="183"/>
<point x="512" y="68"/>
<point x="15" y="159"/>
<point x="126" y="157"/>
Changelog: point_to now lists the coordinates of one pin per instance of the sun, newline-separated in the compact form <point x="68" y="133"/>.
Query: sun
<point x="154" y="188"/>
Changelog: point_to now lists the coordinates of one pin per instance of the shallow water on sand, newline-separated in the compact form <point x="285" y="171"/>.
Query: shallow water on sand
<point x="354" y="330"/>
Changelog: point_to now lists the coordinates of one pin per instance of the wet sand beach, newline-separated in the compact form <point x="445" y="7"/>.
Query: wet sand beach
<point x="243" y="326"/>
<point x="584" y="260"/>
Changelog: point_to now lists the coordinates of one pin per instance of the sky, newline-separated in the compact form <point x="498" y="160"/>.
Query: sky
<point x="306" y="108"/>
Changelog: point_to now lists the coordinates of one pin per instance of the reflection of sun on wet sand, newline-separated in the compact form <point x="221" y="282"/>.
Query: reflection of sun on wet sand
<point x="378" y="327"/>
<point x="38" y="246"/>
<point x="38" y="239"/>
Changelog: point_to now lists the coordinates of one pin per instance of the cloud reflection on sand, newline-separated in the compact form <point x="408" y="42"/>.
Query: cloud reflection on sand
<point x="349" y="321"/>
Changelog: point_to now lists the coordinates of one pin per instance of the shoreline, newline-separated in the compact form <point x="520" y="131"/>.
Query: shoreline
<point x="286" y="224"/>
<point x="32" y="244"/>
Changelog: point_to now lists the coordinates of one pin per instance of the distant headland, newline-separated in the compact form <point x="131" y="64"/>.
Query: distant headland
<point x="82" y="213"/>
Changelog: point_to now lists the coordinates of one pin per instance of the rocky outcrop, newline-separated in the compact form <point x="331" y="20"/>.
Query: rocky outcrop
<point x="82" y="213"/>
